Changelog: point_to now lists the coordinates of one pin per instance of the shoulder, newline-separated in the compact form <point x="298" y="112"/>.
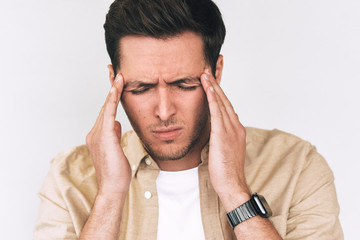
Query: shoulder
<point x="278" y="144"/>
<point x="263" y="136"/>
<point x="71" y="174"/>
<point x="77" y="162"/>
<point x="275" y="153"/>
<point x="72" y="161"/>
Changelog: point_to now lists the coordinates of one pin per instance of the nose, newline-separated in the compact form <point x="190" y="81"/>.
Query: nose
<point x="165" y="107"/>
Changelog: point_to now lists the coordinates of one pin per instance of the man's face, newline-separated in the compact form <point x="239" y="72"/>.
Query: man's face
<point x="163" y="96"/>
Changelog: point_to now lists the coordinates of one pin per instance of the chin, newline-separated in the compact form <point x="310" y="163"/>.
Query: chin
<point x="168" y="150"/>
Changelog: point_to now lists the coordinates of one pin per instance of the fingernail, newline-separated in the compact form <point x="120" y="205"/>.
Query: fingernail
<point x="117" y="78"/>
<point x="212" y="89"/>
<point x="207" y="71"/>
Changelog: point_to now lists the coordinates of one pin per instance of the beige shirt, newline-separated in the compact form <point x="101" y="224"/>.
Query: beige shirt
<point x="296" y="181"/>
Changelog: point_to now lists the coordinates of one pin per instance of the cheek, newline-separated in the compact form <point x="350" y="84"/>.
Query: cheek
<point x="132" y="103"/>
<point x="194" y="103"/>
<point x="199" y="97"/>
<point x="135" y="109"/>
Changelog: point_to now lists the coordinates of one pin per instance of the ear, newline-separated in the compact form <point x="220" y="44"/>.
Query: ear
<point x="111" y="74"/>
<point x="219" y="68"/>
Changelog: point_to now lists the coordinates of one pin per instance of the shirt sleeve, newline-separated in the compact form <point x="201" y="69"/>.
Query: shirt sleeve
<point x="54" y="220"/>
<point x="314" y="210"/>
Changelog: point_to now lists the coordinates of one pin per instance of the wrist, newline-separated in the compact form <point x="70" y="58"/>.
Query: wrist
<point x="114" y="188"/>
<point x="106" y="195"/>
<point x="232" y="200"/>
<point x="256" y="206"/>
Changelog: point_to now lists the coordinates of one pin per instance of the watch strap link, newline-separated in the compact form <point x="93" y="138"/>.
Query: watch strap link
<point x="242" y="213"/>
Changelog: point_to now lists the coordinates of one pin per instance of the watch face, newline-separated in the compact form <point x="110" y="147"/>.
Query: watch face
<point x="261" y="205"/>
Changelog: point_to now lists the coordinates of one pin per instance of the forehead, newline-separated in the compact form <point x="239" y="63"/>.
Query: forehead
<point x="151" y="58"/>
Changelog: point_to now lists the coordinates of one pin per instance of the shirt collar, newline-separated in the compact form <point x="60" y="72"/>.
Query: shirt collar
<point x="134" y="150"/>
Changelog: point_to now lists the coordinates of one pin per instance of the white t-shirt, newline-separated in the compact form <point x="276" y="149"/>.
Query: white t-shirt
<point x="179" y="205"/>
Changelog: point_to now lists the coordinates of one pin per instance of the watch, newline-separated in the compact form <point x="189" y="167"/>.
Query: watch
<point x="257" y="205"/>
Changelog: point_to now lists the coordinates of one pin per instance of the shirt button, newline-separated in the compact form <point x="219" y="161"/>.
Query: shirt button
<point x="133" y="167"/>
<point x="147" y="195"/>
<point x="148" y="161"/>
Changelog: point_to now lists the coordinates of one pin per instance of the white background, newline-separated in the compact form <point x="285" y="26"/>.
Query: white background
<point x="291" y="65"/>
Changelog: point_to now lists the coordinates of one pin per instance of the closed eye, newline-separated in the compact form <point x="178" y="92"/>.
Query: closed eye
<point x="187" y="88"/>
<point x="140" y="91"/>
<point x="137" y="87"/>
<point x="187" y="84"/>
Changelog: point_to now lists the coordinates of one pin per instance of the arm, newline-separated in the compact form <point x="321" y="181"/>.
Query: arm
<point x="54" y="220"/>
<point x="112" y="169"/>
<point x="226" y="162"/>
<point x="314" y="209"/>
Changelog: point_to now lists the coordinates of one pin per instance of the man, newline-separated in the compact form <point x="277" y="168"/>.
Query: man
<point x="189" y="161"/>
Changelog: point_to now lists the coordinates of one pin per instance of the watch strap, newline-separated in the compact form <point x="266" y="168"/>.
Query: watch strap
<point x="241" y="213"/>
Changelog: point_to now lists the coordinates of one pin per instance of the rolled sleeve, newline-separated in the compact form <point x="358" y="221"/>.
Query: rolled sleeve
<point x="54" y="220"/>
<point x="314" y="210"/>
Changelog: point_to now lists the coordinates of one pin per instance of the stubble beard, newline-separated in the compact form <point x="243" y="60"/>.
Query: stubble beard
<point x="197" y="137"/>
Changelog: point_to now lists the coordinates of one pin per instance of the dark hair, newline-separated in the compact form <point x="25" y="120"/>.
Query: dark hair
<point x="162" y="19"/>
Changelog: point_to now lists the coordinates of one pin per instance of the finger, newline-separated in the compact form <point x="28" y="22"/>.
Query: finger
<point x="217" y="123"/>
<point x="119" y="84"/>
<point x="233" y="117"/>
<point x="222" y="107"/>
<point x="100" y="118"/>
<point x="219" y="90"/>
<point x="112" y="102"/>
<point x="110" y="108"/>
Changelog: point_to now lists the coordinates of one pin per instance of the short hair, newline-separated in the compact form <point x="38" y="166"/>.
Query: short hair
<point x="162" y="19"/>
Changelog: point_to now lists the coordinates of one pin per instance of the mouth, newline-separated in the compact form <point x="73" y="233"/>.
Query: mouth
<point x="167" y="134"/>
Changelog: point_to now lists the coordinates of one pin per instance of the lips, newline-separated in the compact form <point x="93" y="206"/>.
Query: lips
<point x="169" y="134"/>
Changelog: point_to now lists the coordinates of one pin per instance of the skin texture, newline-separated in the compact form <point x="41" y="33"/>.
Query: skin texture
<point x="112" y="170"/>
<point x="171" y="99"/>
<point x="176" y="106"/>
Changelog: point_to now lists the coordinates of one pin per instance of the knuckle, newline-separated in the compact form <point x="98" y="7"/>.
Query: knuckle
<point x="216" y="114"/>
<point x="242" y="131"/>
<point x="88" y="138"/>
<point x="91" y="139"/>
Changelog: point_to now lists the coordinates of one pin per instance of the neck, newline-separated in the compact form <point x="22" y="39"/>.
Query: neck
<point x="187" y="162"/>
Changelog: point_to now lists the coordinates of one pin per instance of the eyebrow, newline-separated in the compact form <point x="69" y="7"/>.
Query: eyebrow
<point x="187" y="80"/>
<point x="139" y="83"/>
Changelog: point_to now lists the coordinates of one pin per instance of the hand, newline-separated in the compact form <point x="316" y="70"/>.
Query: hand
<point x="227" y="147"/>
<point x="111" y="165"/>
